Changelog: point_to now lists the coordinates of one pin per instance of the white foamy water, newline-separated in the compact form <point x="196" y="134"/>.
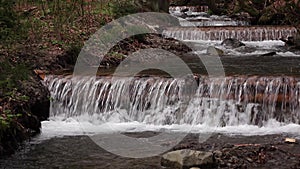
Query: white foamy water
<point x="251" y="49"/>
<point x="265" y="44"/>
<point x="234" y="105"/>
<point x="73" y="127"/>
<point x="289" y="54"/>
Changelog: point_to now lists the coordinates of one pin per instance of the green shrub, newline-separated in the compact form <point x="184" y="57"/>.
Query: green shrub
<point x="6" y="121"/>
<point x="11" y="76"/>
<point x="121" y="8"/>
<point x="9" y="22"/>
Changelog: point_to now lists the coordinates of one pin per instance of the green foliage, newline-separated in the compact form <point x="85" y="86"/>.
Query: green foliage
<point x="7" y="19"/>
<point x="11" y="76"/>
<point x="9" y="23"/>
<point x="121" y="8"/>
<point x="6" y="121"/>
<point x="117" y="55"/>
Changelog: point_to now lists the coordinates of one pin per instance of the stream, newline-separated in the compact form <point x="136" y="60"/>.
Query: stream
<point x="258" y="100"/>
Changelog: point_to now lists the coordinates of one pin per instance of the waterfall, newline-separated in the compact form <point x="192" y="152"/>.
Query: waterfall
<point x="247" y="33"/>
<point x="229" y="101"/>
<point x="178" y="9"/>
<point x="201" y="23"/>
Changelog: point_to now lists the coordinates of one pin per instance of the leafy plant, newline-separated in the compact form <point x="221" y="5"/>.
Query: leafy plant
<point x="7" y="20"/>
<point x="121" y="8"/>
<point x="11" y="76"/>
<point x="117" y="55"/>
<point x="6" y="119"/>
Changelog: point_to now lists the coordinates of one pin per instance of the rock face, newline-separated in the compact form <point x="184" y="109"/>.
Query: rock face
<point x="185" y="159"/>
<point x="232" y="43"/>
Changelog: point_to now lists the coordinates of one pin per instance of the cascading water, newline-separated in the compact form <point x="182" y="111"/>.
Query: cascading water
<point x="208" y="22"/>
<point x="197" y="16"/>
<point x="144" y="100"/>
<point x="231" y="101"/>
<point x="222" y="33"/>
<point x="222" y="103"/>
<point x="178" y="9"/>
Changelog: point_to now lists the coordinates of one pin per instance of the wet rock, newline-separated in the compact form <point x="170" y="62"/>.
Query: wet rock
<point x="214" y="51"/>
<point x="41" y="109"/>
<point x="185" y="159"/>
<point x="232" y="43"/>
<point x="184" y="10"/>
<point x="269" y="54"/>
<point x="289" y="41"/>
<point x="292" y="42"/>
<point x="246" y="49"/>
<point x="31" y="123"/>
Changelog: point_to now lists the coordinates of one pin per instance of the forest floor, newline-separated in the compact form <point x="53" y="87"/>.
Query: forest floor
<point x="40" y="37"/>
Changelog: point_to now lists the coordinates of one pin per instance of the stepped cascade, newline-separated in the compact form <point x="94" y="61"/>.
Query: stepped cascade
<point x="226" y="101"/>
<point x="207" y="22"/>
<point x="197" y="16"/>
<point x="229" y="101"/>
<point x="178" y="9"/>
<point x="246" y="33"/>
<point x="196" y="24"/>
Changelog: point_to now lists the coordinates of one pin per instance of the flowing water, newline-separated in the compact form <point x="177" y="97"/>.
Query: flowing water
<point x="197" y="16"/>
<point x="260" y="95"/>
<point x="227" y="101"/>
<point x="255" y="33"/>
<point x="178" y="9"/>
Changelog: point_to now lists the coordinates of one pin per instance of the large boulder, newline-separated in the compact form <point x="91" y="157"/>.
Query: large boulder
<point x="232" y="43"/>
<point x="186" y="158"/>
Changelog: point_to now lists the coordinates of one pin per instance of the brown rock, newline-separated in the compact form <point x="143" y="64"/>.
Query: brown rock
<point x="185" y="159"/>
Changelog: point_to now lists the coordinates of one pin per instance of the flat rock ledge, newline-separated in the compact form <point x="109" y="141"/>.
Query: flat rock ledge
<point x="186" y="159"/>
